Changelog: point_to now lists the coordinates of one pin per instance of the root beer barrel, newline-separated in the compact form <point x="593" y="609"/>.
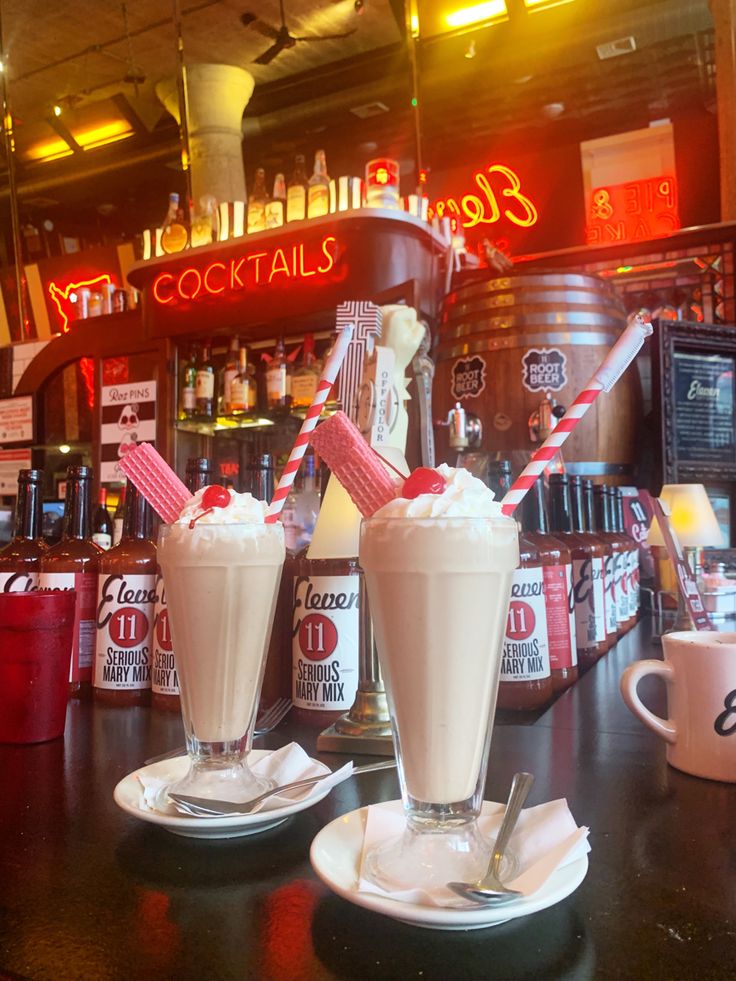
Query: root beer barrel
<point x="505" y="343"/>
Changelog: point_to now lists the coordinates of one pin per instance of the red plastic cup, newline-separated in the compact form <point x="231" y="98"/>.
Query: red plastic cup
<point x="36" y="636"/>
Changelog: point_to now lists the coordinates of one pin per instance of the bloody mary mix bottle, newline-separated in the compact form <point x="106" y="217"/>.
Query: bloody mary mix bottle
<point x="72" y="564"/>
<point x="20" y="560"/>
<point x="581" y="525"/>
<point x="587" y="573"/>
<point x="525" y="681"/>
<point x="592" y="526"/>
<point x="126" y="596"/>
<point x="616" y="581"/>
<point x="632" y="570"/>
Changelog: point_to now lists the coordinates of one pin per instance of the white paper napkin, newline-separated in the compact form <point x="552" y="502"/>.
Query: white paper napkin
<point x="285" y="765"/>
<point x="546" y="839"/>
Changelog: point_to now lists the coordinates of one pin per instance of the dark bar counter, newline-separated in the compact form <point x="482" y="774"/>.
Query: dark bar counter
<point x="87" y="892"/>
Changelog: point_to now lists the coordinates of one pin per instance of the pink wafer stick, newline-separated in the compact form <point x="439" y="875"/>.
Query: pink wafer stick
<point x="604" y="378"/>
<point x="156" y="481"/>
<point x="358" y="468"/>
<point x="327" y="380"/>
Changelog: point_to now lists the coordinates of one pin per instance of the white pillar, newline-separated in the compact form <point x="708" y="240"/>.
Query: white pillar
<point x="216" y="97"/>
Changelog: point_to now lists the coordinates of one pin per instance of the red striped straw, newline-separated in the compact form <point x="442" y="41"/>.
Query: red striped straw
<point x="327" y="380"/>
<point x="604" y="378"/>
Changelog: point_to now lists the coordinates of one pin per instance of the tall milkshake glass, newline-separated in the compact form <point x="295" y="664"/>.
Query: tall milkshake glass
<point x="439" y="592"/>
<point x="221" y="575"/>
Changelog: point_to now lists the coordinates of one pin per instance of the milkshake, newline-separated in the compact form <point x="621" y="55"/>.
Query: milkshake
<point x="221" y="567"/>
<point x="438" y="569"/>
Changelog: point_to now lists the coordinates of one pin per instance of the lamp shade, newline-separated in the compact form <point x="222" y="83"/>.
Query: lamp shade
<point x="691" y="515"/>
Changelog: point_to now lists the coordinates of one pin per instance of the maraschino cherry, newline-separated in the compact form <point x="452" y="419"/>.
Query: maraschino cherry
<point x="423" y="480"/>
<point x="215" y="496"/>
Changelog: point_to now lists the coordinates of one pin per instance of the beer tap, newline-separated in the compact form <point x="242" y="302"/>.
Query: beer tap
<point x="542" y="422"/>
<point x="465" y="431"/>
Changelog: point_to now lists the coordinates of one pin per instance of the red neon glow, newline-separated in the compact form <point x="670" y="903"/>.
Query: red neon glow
<point x="254" y="269"/>
<point x="483" y="208"/>
<point x="60" y="296"/>
<point x="633" y="211"/>
<point x="381" y="176"/>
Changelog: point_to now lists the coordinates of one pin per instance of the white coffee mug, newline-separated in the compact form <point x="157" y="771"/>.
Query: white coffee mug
<point x="700" y="670"/>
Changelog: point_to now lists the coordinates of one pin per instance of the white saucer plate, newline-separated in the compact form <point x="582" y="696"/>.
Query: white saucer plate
<point x="335" y="857"/>
<point x="127" y="795"/>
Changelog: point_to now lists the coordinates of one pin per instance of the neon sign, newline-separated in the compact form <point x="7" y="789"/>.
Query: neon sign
<point x="483" y="208"/>
<point x="634" y="211"/>
<point x="61" y="297"/>
<point x="254" y="269"/>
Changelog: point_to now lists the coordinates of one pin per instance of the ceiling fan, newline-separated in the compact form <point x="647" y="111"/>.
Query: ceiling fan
<point x="281" y="37"/>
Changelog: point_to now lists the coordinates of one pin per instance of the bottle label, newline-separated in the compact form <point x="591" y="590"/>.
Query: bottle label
<point x="526" y="644"/>
<point x="590" y="603"/>
<point x="274" y="214"/>
<point x="633" y="582"/>
<point x="117" y="530"/>
<point x="83" y="649"/>
<point x="164" y="679"/>
<point x="205" y="385"/>
<point x="609" y="583"/>
<point x="296" y="203"/>
<point x="325" y="642"/>
<point x="102" y="539"/>
<point x="318" y="200"/>
<point x="276" y="383"/>
<point x="124" y="619"/>
<point x="304" y="388"/>
<point x="622" y="592"/>
<point x="19" y="582"/>
<point x="256" y="216"/>
<point x="560" y="604"/>
<point x="189" y="397"/>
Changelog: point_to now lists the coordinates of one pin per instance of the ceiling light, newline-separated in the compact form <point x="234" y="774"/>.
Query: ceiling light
<point x="57" y="110"/>
<point x="470" y="51"/>
<point x="65" y="448"/>
<point x="104" y="133"/>
<point x="492" y="10"/>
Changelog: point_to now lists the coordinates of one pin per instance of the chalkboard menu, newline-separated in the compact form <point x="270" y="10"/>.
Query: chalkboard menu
<point x="704" y="407"/>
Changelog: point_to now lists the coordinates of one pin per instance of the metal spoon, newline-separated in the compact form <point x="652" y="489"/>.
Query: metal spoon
<point x="490" y="891"/>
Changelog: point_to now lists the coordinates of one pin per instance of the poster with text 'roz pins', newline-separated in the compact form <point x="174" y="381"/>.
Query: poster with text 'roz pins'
<point x="128" y="418"/>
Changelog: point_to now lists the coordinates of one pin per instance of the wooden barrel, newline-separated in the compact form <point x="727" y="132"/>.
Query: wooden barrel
<point x="505" y="343"/>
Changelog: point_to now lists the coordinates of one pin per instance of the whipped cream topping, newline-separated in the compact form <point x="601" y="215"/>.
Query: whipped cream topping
<point x="242" y="509"/>
<point x="465" y="496"/>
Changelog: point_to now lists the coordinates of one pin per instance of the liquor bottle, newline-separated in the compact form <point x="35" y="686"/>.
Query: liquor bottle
<point x="525" y="681"/>
<point x="243" y="389"/>
<point x="126" y="594"/>
<point x="228" y="376"/>
<point x="296" y="192"/>
<point x="20" y="559"/>
<point x="615" y="579"/>
<point x="318" y="192"/>
<point x="257" y="201"/>
<point x="188" y="395"/>
<point x="102" y="526"/>
<point x="587" y="573"/>
<point x="597" y="586"/>
<point x="278" y="375"/>
<point x="299" y="515"/>
<point x="306" y="376"/>
<point x="276" y="206"/>
<point x="205" y="385"/>
<point x="609" y="592"/>
<point x="174" y="234"/>
<point x="632" y="570"/>
<point x="73" y="564"/>
<point x="259" y="477"/>
<point x="118" y="516"/>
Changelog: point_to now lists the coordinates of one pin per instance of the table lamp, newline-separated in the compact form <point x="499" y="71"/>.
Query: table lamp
<point x="695" y="524"/>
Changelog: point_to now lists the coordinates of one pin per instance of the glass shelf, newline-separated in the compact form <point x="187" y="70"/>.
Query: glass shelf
<point x="260" y="420"/>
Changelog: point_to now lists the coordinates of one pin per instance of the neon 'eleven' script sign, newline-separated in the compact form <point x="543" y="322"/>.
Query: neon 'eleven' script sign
<point x="249" y="270"/>
<point x="497" y="193"/>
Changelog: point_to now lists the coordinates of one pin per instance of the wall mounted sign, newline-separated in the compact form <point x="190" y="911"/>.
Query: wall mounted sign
<point x="544" y="369"/>
<point x="495" y="195"/>
<point x="633" y="211"/>
<point x="11" y="461"/>
<point x="16" y="420"/>
<point x="128" y="418"/>
<point x="256" y="269"/>
<point x="468" y="377"/>
<point x="704" y="407"/>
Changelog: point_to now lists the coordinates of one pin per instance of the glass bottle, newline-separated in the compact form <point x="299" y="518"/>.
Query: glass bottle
<point x="597" y="599"/>
<point x="174" y="234"/>
<point x="277" y="380"/>
<point x="205" y="385"/>
<point x="126" y="595"/>
<point x="188" y="391"/>
<point x="102" y="526"/>
<point x="73" y="564"/>
<point x="632" y="569"/>
<point x="318" y="192"/>
<point x="20" y="559"/>
<point x="276" y="206"/>
<point x="296" y="192"/>
<point x="587" y="573"/>
<point x="117" y="518"/>
<point x="306" y="376"/>
<point x="257" y="201"/>
<point x="228" y="376"/>
<point x="592" y="526"/>
<point x="243" y="386"/>
<point x="615" y="579"/>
